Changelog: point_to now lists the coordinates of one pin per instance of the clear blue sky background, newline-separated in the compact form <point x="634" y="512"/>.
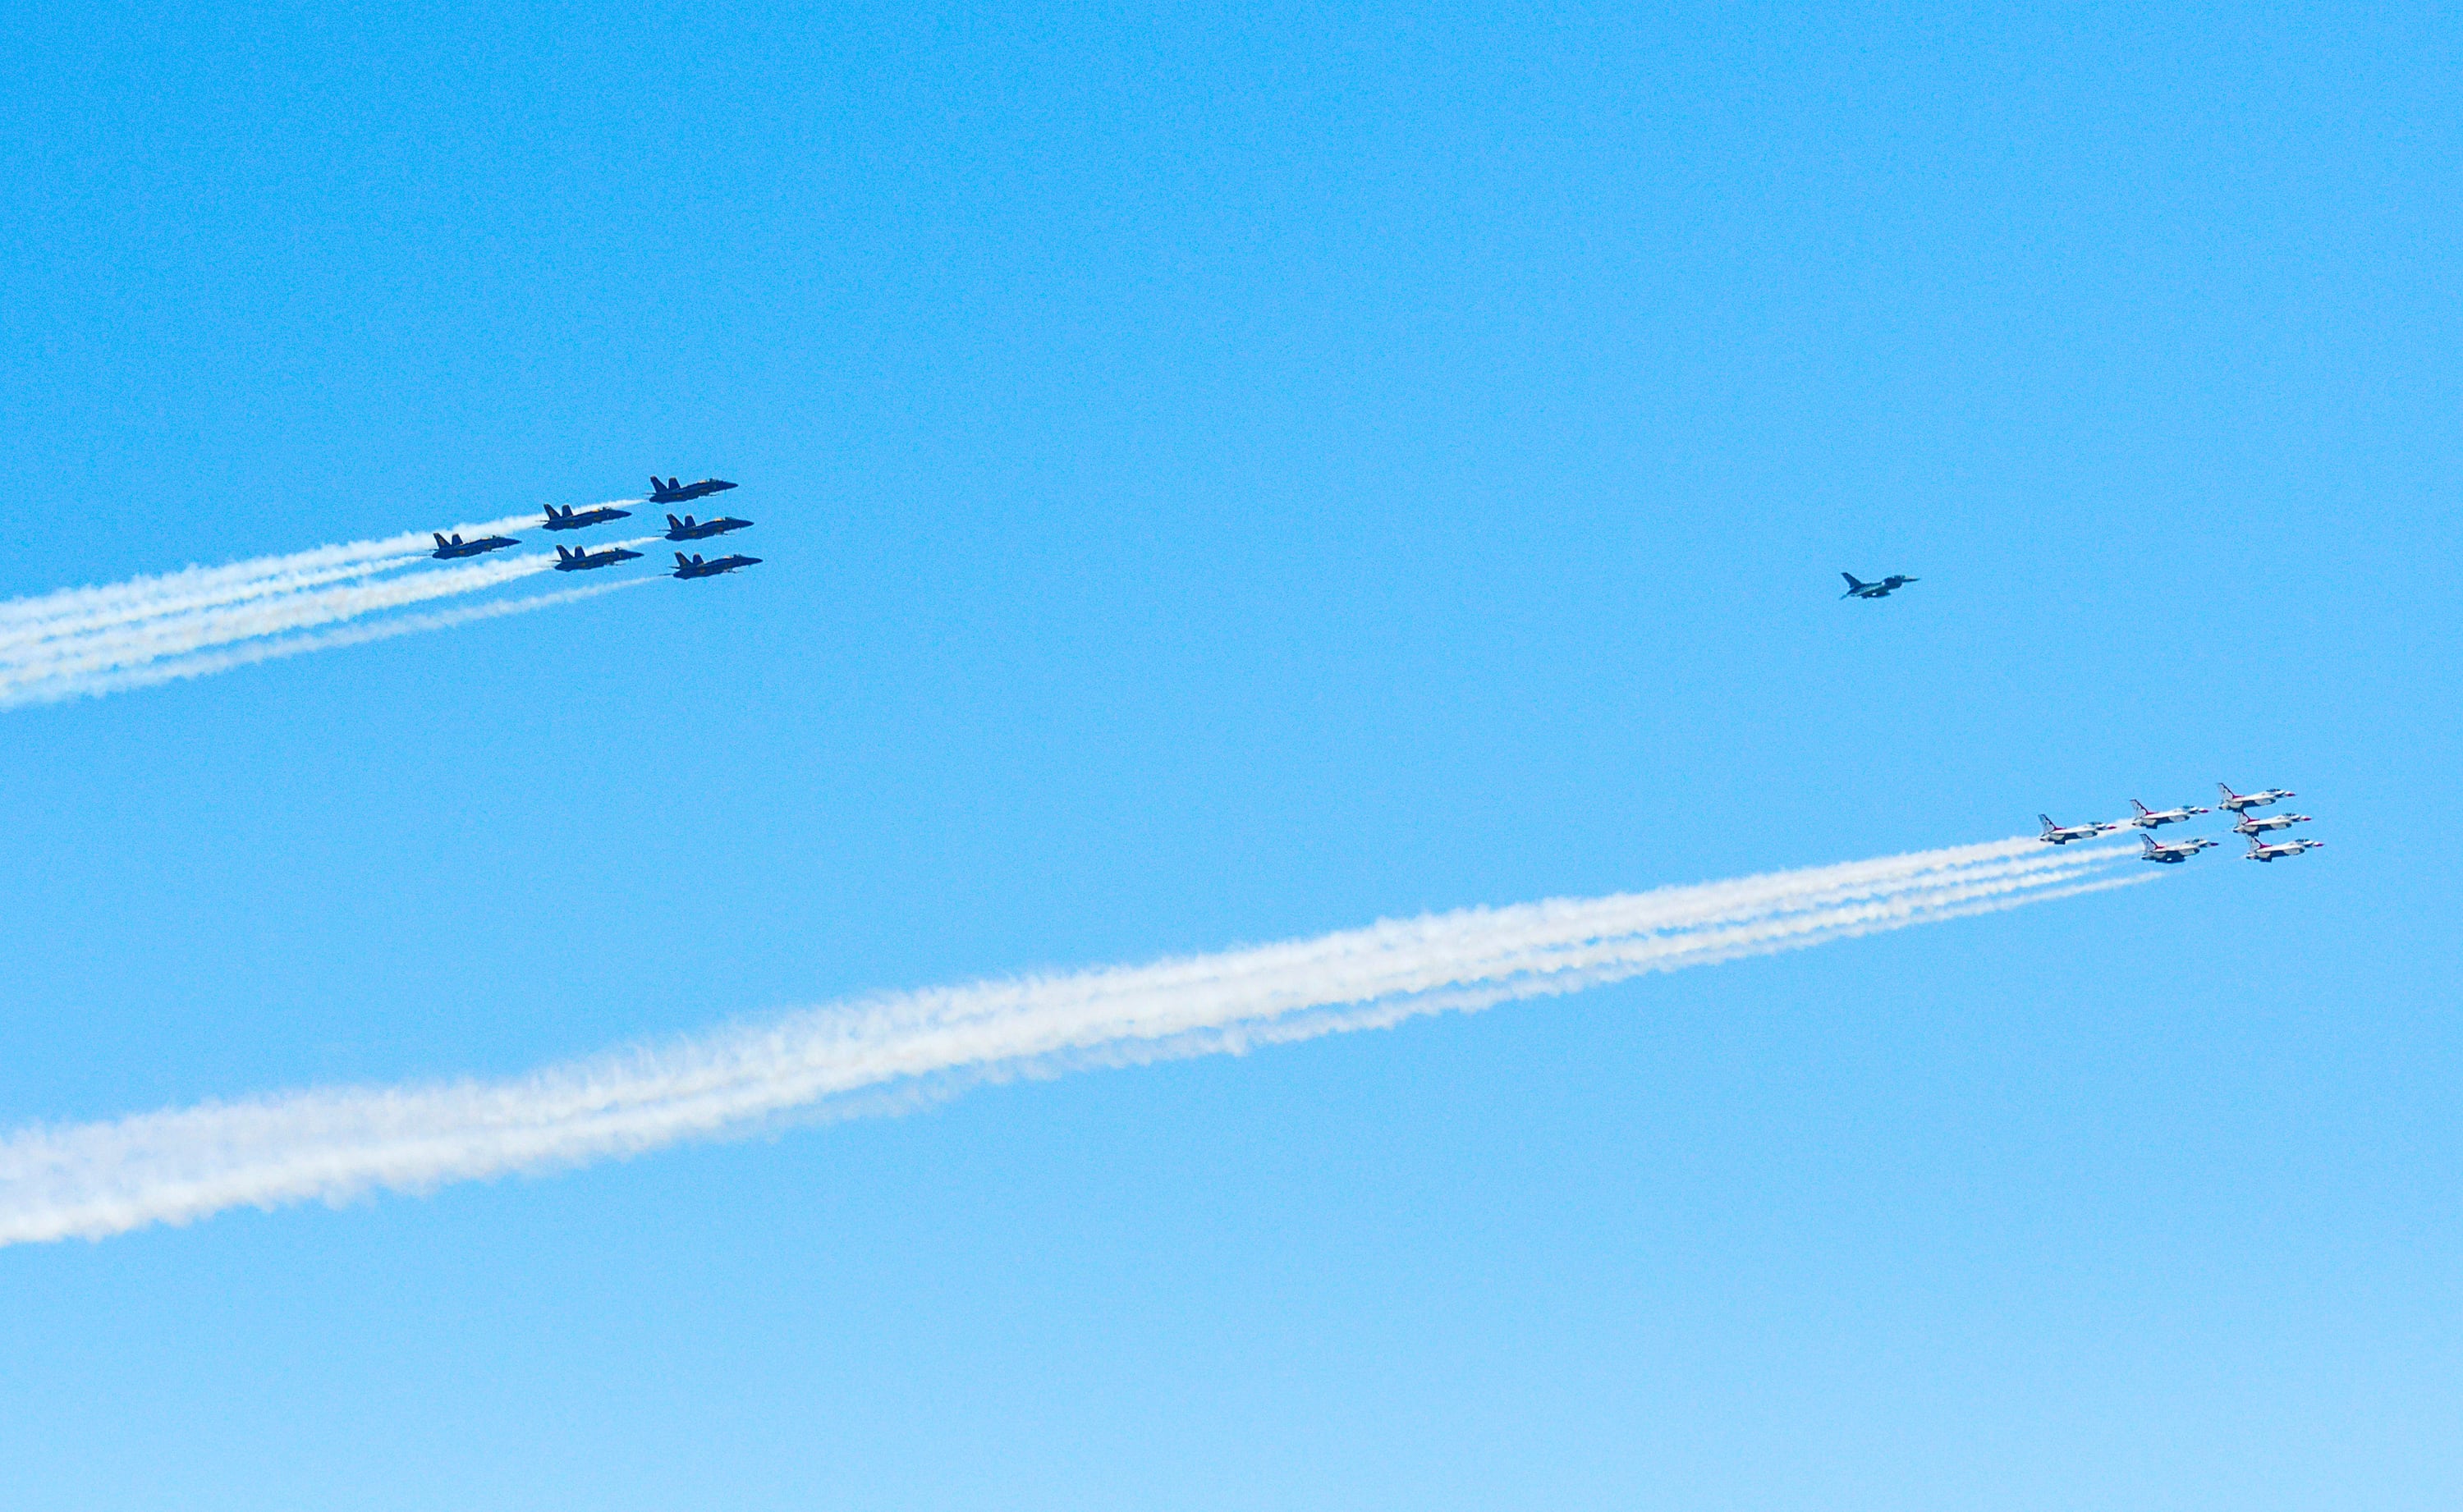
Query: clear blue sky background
<point x="1228" y="472"/>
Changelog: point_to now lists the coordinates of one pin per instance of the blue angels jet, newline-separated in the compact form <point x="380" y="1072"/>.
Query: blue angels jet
<point x="447" y="550"/>
<point x="674" y="492"/>
<point x="585" y="559"/>
<point x="2173" y="854"/>
<point x="694" y="566"/>
<point x="1881" y="590"/>
<point x="584" y="519"/>
<point x="690" y="529"/>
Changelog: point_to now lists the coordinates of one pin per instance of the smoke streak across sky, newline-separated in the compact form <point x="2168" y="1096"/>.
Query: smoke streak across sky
<point x="88" y="641"/>
<point x="106" y="1177"/>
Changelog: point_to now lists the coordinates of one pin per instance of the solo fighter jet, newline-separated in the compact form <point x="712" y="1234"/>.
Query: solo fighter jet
<point x="2243" y="802"/>
<point x="694" y="566"/>
<point x="2174" y="854"/>
<point x="2155" y="818"/>
<point x="447" y="550"/>
<point x="2258" y="824"/>
<point x="2056" y="834"/>
<point x="598" y="515"/>
<point x="690" y="529"/>
<point x="1881" y="590"/>
<point x="585" y="559"/>
<point x="674" y="492"/>
<point x="2260" y="850"/>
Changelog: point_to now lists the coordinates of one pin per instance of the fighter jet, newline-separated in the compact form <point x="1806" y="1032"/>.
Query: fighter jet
<point x="2242" y="802"/>
<point x="600" y="514"/>
<point x="447" y="550"/>
<point x="1881" y="590"/>
<point x="2155" y="818"/>
<point x="674" y="492"/>
<point x="2056" y="834"/>
<point x="695" y="567"/>
<point x="2174" y="854"/>
<point x="2254" y="824"/>
<point x="2260" y="850"/>
<point x="585" y="559"/>
<point x="690" y="529"/>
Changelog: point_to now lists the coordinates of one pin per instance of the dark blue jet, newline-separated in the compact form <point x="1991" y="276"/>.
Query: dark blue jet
<point x="695" y="567"/>
<point x="585" y="559"/>
<point x="571" y="520"/>
<point x="1881" y="590"/>
<point x="674" y="492"/>
<point x="690" y="529"/>
<point x="447" y="550"/>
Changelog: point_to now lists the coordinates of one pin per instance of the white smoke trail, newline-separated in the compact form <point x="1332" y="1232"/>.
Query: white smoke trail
<point x="98" y="1179"/>
<point x="70" y="668"/>
<point x="207" y="663"/>
<point x="201" y="587"/>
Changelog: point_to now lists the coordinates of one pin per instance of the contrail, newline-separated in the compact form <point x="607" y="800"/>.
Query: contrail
<point x="73" y="666"/>
<point x="115" y="603"/>
<point x="207" y="663"/>
<point x="870" y="1054"/>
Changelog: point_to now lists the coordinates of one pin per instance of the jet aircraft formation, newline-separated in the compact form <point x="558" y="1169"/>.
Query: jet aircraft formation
<point x="585" y="560"/>
<point x="2248" y="824"/>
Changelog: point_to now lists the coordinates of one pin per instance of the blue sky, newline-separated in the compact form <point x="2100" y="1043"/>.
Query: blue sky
<point x="1228" y="474"/>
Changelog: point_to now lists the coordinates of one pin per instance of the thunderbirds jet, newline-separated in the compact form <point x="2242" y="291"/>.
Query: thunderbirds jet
<point x="600" y="514"/>
<point x="1881" y="590"/>
<point x="2056" y="834"/>
<point x="2254" y="825"/>
<point x="2260" y="850"/>
<point x="695" y="567"/>
<point x="2172" y="854"/>
<point x="674" y="492"/>
<point x="2152" y="818"/>
<point x="2242" y="802"/>
<point x="690" y="529"/>
<point x="585" y="559"/>
<point x="447" y="550"/>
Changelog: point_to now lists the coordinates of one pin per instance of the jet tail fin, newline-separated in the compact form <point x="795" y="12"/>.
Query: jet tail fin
<point x="2225" y="788"/>
<point x="674" y="524"/>
<point x="2143" y="809"/>
<point x="563" y="554"/>
<point x="680" y="560"/>
<point x="1853" y="586"/>
<point x="440" y="538"/>
<point x="2049" y="826"/>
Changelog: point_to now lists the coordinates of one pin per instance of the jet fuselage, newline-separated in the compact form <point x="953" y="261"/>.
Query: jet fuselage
<point x="584" y="560"/>
<point x="577" y="519"/>
<point x="690" y="529"/>
<point x="674" y="492"/>
<point x="695" y="567"/>
<point x="447" y="551"/>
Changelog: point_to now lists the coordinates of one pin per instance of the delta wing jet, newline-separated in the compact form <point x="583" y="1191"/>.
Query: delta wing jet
<point x="2155" y="818"/>
<point x="694" y="566"/>
<point x="1881" y="590"/>
<point x="570" y="520"/>
<point x="2058" y="834"/>
<point x="2173" y="854"/>
<point x="2243" y="802"/>
<point x="585" y="559"/>
<point x="447" y="550"/>
<point x="690" y="529"/>
<point x="2258" y="824"/>
<point x="2260" y="850"/>
<point x="674" y="492"/>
